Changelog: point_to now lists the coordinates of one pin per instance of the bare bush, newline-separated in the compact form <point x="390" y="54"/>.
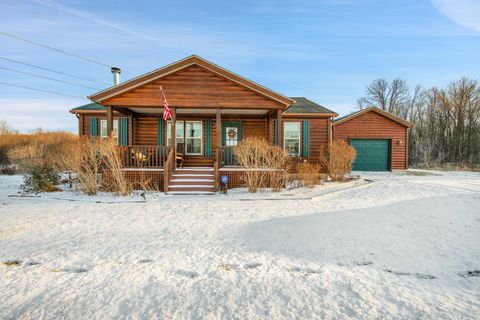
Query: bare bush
<point x="337" y="159"/>
<point x="84" y="160"/>
<point x="251" y="156"/>
<point x="263" y="163"/>
<point x="277" y="160"/>
<point x="114" y="177"/>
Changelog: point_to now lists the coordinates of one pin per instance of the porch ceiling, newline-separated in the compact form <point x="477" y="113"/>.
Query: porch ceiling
<point x="201" y="111"/>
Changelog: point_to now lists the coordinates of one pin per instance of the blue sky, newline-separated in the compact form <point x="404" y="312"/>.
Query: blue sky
<point x="325" y="50"/>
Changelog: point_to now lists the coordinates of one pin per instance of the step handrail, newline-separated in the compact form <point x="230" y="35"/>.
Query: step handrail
<point x="170" y="165"/>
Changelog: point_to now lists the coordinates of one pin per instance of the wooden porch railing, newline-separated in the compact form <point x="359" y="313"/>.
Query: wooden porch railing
<point x="144" y="156"/>
<point x="169" y="167"/>
<point x="228" y="157"/>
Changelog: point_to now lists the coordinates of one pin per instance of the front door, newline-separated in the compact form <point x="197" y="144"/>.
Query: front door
<point x="231" y="137"/>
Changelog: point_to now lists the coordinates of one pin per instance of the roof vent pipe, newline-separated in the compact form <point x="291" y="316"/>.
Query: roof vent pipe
<point x="116" y="75"/>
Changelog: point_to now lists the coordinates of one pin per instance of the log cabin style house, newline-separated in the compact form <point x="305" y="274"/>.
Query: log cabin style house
<point x="213" y="109"/>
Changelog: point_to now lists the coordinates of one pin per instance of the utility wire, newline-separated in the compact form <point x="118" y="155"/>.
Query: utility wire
<point x="51" y="70"/>
<point x="41" y="90"/>
<point x="6" y="34"/>
<point x="48" y="78"/>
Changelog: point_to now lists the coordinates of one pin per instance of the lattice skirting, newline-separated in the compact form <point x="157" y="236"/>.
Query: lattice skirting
<point x="142" y="179"/>
<point x="236" y="178"/>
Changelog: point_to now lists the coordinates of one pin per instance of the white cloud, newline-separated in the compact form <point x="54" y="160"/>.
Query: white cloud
<point x="463" y="12"/>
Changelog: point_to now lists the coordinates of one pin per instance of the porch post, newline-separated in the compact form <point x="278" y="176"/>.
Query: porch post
<point x="218" y="128"/>
<point x="110" y="122"/>
<point x="173" y="134"/>
<point x="279" y="128"/>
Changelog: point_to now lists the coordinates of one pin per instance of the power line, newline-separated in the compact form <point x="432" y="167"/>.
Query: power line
<point x="41" y="90"/>
<point x="54" y="49"/>
<point x="51" y="70"/>
<point x="48" y="78"/>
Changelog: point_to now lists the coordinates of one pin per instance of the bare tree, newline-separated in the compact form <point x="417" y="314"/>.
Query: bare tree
<point x="387" y="96"/>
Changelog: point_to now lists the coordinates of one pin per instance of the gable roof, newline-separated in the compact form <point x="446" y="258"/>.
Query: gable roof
<point x="182" y="64"/>
<point x="374" y="109"/>
<point x="304" y="106"/>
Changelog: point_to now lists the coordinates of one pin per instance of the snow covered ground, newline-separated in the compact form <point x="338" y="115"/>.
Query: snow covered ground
<point x="404" y="246"/>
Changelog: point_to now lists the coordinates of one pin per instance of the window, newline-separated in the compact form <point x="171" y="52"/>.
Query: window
<point x="193" y="137"/>
<point x="291" y="138"/>
<point x="179" y="128"/>
<point x="103" y="129"/>
<point x="188" y="133"/>
<point x="231" y="136"/>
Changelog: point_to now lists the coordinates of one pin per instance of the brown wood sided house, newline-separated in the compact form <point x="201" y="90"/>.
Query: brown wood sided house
<point x="379" y="137"/>
<point x="213" y="110"/>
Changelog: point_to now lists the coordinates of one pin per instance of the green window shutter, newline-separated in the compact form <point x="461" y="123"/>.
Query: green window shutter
<point x="306" y="139"/>
<point x="93" y="126"/>
<point x="208" y="138"/>
<point x="240" y="131"/>
<point x="123" y="131"/>
<point x="160" y="132"/>
<point x="275" y="138"/>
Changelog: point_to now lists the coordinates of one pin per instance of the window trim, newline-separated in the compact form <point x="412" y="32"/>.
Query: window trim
<point x="299" y="138"/>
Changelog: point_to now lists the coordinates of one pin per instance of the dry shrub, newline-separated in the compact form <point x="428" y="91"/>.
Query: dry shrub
<point x="308" y="174"/>
<point x="277" y="160"/>
<point x="88" y="158"/>
<point x="114" y="179"/>
<point x="338" y="159"/>
<point x="84" y="159"/>
<point x="262" y="162"/>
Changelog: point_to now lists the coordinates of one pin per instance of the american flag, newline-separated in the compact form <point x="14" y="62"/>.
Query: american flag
<point x="167" y="112"/>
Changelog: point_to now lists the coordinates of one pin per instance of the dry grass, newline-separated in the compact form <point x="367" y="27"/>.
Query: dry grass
<point x="338" y="159"/>
<point x="39" y="149"/>
<point x="62" y="151"/>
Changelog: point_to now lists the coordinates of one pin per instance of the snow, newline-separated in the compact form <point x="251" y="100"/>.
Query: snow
<point x="400" y="247"/>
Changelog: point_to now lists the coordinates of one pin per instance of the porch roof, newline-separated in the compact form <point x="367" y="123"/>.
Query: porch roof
<point x="302" y="106"/>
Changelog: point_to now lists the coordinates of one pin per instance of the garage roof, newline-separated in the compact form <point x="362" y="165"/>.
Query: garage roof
<point x="374" y="109"/>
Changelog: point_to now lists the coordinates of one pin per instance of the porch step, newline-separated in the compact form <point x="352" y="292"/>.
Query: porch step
<point x="192" y="180"/>
<point x="194" y="169"/>
<point x="191" y="193"/>
<point x="183" y="182"/>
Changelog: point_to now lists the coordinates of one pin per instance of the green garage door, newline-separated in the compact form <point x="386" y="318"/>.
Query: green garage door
<point x="372" y="154"/>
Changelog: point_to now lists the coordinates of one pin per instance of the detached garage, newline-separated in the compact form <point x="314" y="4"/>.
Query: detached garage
<point x="380" y="139"/>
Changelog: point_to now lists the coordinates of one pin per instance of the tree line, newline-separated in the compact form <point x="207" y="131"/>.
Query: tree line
<point x="446" y="120"/>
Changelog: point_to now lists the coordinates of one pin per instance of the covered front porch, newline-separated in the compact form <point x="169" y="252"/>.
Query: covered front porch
<point x="193" y="138"/>
<point x="199" y="137"/>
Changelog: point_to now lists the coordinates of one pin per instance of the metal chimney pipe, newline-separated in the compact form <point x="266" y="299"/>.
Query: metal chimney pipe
<point x="116" y="75"/>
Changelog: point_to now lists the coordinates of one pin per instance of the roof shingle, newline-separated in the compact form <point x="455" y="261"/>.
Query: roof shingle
<point x="302" y="106"/>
